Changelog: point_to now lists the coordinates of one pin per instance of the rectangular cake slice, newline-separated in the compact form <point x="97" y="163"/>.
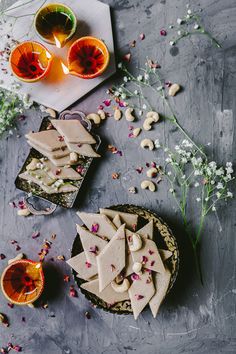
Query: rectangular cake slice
<point x="49" y="140"/>
<point x="80" y="264"/>
<point x="111" y="260"/>
<point x="98" y="223"/>
<point x="108" y="294"/>
<point x="73" y="131"/>
<point x="92" y="244"/>
<point x="161" y="282"/>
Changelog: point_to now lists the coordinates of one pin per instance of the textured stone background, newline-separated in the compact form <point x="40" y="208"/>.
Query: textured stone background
<point x="193" y="319"/>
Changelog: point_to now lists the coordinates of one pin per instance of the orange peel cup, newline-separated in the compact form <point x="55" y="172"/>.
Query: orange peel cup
<point x="30" y="61"/>
<point x="88" y="57"/>
<point x="22" y="282"/>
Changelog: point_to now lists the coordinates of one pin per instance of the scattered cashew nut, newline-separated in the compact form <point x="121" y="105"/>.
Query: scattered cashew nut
<point x="17" y="258"/>
<point x="120" y="288"/>
<point x="137" y="267"/>
<point x="174" y="89"/>
<point x="117" y="114"/>
<point x="148" y="185"/>
<point x="147" y="143"/>
<point x="51" y="112"/>
<point x="73" y="157"/>
<point x="154" y="115"/>
<point x="102" y="114"/>
<point x="136" y="243"/>
<point x="128" y="115"/>
<point x="94" y="117"/>
<point x="152" y="172"/>
<point x="23" y="212"/>
<point x="136" y="132"/>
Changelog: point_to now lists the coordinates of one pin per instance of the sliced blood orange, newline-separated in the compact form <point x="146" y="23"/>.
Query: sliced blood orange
<point x="22" y="282"/>
<point x="88" y="57"/>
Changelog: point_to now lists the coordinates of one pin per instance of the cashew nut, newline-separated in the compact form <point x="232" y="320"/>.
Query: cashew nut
<point x="147" y="124"/>
<point x="136" y="243"/>
<point x="73" y="157"/>
<point x="94" y="117"/>
<point x="152" y="172"/>
<point x="117" y="114"/>
<point x="147" y="143"/>
<point x="17" y="258"/>
<point x="128" y="115"/>
<point x="136" y="132"/>
<point x="148" y="184"/>
<point x="120" y="288"/>
<point x="23" y="212"/>
<point x="154" y="115"/>
<point x="102" y="114"/>
<point x="137" y="267"/>
<point x="174" y="89"/>
<point x="51" y="112"/>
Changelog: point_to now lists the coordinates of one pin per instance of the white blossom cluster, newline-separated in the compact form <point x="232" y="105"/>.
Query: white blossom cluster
<point x="185" y="167"/>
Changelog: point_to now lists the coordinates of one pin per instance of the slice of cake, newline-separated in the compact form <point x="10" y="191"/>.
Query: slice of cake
<point x="73" y="131"/>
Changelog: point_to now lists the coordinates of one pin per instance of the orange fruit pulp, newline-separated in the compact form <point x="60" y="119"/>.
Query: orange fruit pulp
<point x="22" y="282"/>
<point x="88" y="57"/>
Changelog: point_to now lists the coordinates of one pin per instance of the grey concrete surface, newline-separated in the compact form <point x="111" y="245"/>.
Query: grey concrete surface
<point x="193" y="319"/>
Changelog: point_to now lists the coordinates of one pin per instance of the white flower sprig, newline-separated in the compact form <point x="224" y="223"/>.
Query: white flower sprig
<point x="11" y="107"/>
<point x="189" y="25"/>
<point x="189" y="173"/>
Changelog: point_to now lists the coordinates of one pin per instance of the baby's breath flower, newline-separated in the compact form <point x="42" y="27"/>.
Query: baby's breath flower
<point x="144" y="106"/>
<point x="219" y="185"/>
<point x="125" y="78"/>
<point x="169" y="173"/>
<point x="119" y="65"/>
<point x="230" y="194"/>
<point x="189" y="11"/>
<point x="139" y="77"/>
<point x="136" y="92"/>
<point x="196" y="184"/>
<point x="123" y="96"/>
<point x="157" y="143"/>
<point x="172" y="43"/>
<point x="218" y="195"/>
<point x="213" y="208"/>
<point x="198" y="199"/>
<point x="146" y="76"/>
<point x="196" y="26"/>
<point x="171" y="190"/>
<point x="179" y="21"/>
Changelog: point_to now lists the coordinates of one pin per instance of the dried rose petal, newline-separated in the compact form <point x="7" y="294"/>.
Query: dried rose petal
<point x="115" y="175"/>
<point x="58" y="171"/>
<point x="130" y="127"/>
<point x="13" y="242"/>
<point x="18" y="248"/>
<point x="60" y="138"/>
<point x="53" y="236"/>
<point x="134" y="227"/>
<point x="95" y="228"/>
<point x="88" y="265"/>
<point x="139" y="169"/>
<point x="17" y="348"/>
<point x="153" y="164"/>
<point x="148" y="270"/>
<point x="23" y="319"/>
<point x="80" y="169"/>
<point x="144" y="260"/>
<point x="142" y="36"/>
<point x="9" y="304"/>
<point x="100" y="107"/>
<point x="135" y="276"/>
<point x="123" y="104"/>
<point x="73" y="292"/>
<point x="153" y="65"/>
<point x="93" y="249"/>
<point x="107" y="102"/>
<point x="44" y="305"/>
<point x="150" y="252"/>
<point x="149" y="280"/>
<point x="168" y="84"/>
<point x="147" y="164"/>
<point x="66" y="278"/>
<point x="13" y="204"/>
<point x="113" y="267"/>
<point x="152" y="263"/>
<point x="87" y="315"/>
<point x="131" y="135"/>
<point x="119" y="153"/>
<point x="35" y="234"/>
<point x="138" y="297"/>
<point x="4" y="320"/>
<point x="2" y="256"/>
<point x="163" y="32"/>
<point x="132" y="44"/>
<point x="127" y="57"/>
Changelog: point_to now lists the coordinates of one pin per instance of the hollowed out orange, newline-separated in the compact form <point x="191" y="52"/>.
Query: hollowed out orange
<point x="22" y="282"/>
<point x="88" y="57"/>
<point x="30" y="61"/>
